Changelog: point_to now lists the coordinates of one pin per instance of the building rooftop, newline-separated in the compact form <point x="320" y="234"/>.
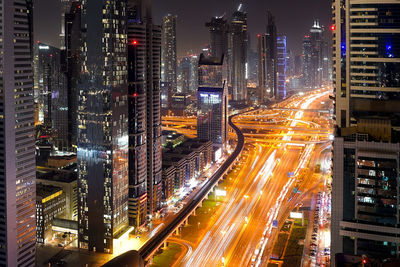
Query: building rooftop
<point x="204" y="60"/>
<point x="44" y="191"/>
<point x="51" y="174"/>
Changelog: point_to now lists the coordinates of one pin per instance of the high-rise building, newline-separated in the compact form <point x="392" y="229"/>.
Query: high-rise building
<point x="252" y="66"/>
<point x="267" y="61"/>
<point x="317" y="49"/>
<point x="187" y="78"/>
<point x="52" y="95"/>
<point x="237" y="55"/>
<point x="365" y="191"/>
<point x="281" y="66"/>
<point x="307" y="62"/>
<point x="73" y="60"/>
<point x="144" y="64"/>
<point x="219" y="32"/>
<point x="17" y="143"/>
<point x="212" y="101"/>
<point x="298" y="65"/>
<point x="315" y="57"/>
<point x="103" y="125"/>
<point x="290" y="63"/>
<point x="65" y="8"/>
<point x="168" y="53"/>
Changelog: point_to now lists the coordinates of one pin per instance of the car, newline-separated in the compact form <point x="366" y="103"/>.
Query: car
<point x="138" y="237"/>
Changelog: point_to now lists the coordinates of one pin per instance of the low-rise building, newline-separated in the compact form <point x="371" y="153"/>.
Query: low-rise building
<point x="184" y="162"/>
<point x="65" y="179"/>
<point x="50" y="203"/>
<point x="172" y="138"/>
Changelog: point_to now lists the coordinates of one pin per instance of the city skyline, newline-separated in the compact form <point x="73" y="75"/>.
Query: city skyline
<point x="194" y="36"/>
<point x="200" y="133"/>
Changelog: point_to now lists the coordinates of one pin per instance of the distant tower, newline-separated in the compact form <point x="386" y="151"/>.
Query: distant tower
<point x="317" y="56"/>
<point x="17" y="142"/>
<point x="267" y="62"/>
<point x="219" y="30"/>
<point x="65" y="8"/>
<point x="281" y="67"/>
<point x="307" y="62"/>
<point x="169" y="56"/>
<point x="237" y="55"/>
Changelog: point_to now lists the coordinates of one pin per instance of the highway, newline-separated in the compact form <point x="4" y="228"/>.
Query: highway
<point x="152" y="245"/>
<point x="242" y="232"/>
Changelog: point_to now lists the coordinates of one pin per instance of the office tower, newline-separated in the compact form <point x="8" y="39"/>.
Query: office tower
<point x="187" y="78"/>
<point x="219" y="32"/>
<point x="298" y="65"/>
<point x="267" y="61"/>
<point x="237" y="55"/>
<point x="289" y="63"/>
<point x="103" y="126"/>
<point x="65" y="8"/>
<point x="166" y="94"/>
<point x="212" y="114"/>
<point x="281" y="67"/>
<point x="144" y="60"/>
<point x="317" y="48"/>
<point x="168" y="53"/>
<point x="73" y="60"/>
<point x="52" y="94"/>
<point x="17" y="144"/>
<point x="365" y="192"/>
<point x="252" y="66"/>
<point x="307" y="62"/>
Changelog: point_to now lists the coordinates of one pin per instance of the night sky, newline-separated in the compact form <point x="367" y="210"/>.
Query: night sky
<point x="293" y="18"/>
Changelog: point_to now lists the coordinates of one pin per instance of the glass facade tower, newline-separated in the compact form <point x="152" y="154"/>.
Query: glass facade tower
<point x="103" y="125"/>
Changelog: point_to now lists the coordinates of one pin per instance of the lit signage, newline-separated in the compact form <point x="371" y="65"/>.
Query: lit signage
<point x="296" y="215"/>
<point x="220" y="193"/>
<point x="44" y="47"/>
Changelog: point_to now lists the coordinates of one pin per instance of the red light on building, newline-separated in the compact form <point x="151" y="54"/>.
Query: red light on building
<point x="135" y="95"/>
<point x="333" y="27"/>
<point x="258" y="35"/>
<point x="134" y="42"/>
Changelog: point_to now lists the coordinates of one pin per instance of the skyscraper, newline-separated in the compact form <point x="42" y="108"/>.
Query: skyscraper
<point x="187" y="78"/>
<point x="317" y="56"/>
<point x="267" y="61"/>
<point x="237" y="55"/>
<point x="52" y="93"/>
<point x="281" y="66"/>
<point x="73" y="60"/>
<point x="212" y="115"/>
<point x="65" y="8"/>
<point x="219" y="31"/>
<point x="17" y="144"/>
<point x="144" y="62"/>
<point x="168" y="53"/>
<point x="365" y="192"/>
<point x="307" y="62"/>
<point x="103" y="125"/>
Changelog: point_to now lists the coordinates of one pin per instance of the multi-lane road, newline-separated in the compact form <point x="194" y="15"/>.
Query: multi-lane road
<point x="283" y="148"/>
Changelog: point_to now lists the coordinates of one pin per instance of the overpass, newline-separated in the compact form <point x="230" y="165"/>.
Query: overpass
<point x="151" y="246"/>
<point x="304" y="110"/>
